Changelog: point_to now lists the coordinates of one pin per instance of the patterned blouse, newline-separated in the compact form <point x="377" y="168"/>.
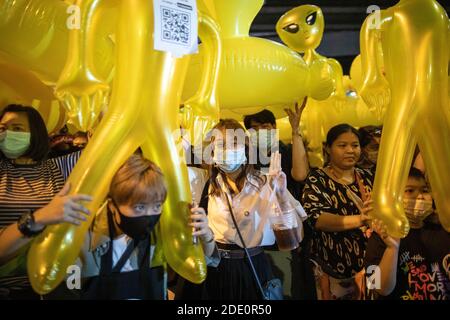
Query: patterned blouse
<point x="339" y="254"/>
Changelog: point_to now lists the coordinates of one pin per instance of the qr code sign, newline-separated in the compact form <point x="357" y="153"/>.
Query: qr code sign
<point x="175" y="26"/>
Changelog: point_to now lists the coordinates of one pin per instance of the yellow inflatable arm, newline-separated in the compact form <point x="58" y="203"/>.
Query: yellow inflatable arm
<point x="375" y="90"/>
<point x="137" y="116"/>
<point x="81" y="87"/>
<point x="416" y="34"/>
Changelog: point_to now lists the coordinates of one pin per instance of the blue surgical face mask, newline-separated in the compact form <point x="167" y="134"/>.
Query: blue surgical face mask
<point x="15" y="144"/>
<point x="230" y="160"/>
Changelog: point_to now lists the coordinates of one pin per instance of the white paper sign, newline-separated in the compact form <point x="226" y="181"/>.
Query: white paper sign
<point x="176" y="26"/>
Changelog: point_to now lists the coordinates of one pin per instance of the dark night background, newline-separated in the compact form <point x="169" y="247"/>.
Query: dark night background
<point x="343" y="20"/>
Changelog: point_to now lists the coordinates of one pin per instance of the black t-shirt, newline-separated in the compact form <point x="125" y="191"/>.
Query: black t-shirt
<point x="423" y="268"/>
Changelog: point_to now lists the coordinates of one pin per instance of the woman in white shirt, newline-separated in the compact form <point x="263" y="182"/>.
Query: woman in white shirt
<point x="253" y="198"/>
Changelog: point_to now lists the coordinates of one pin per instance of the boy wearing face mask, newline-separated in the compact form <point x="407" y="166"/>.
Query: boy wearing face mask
<point x="120" y="258"/>
<point x="416" y="267"/>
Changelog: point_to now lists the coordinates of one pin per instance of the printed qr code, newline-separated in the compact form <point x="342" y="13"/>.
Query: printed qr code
<point x="175" y="26"/>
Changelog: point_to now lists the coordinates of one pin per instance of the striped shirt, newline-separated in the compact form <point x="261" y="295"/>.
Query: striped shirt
<point x="30" y="187"/>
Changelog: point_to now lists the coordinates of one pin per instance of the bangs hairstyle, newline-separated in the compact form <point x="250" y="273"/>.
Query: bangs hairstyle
<point x="138" y="181"/>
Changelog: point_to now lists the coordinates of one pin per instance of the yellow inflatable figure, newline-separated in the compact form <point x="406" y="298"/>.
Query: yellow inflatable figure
<point x="301" y="29"/>
<point x="18" y="85"/>
<point x="35" y="36"/>
<point x="414" y="37"/>
<point x="143" y="112"/>
<point x="254" y="72"/>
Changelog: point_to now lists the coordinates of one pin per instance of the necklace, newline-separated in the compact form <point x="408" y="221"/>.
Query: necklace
<point x="342" y="180"/>
<point x="359" y="201"/>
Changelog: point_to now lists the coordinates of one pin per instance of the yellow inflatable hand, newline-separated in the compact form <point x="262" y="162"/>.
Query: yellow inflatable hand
<point x="201" y="111"/>
<point x="416" y="36"/>
<point x="35" y="36"/>
<point x="82" y="87"/>
<point x="375" y="90"/>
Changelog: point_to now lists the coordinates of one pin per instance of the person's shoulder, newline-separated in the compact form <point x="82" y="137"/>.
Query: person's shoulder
<point x="3" y="163"/>
<point x="365" y="172"/>
<point x="376" y="239"/>
<point x="66" y="157"/>
<point x="315" y="174"/>
<point x="435" y="231"/>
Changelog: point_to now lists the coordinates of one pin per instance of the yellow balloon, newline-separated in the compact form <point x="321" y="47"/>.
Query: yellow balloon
<point x="19" y="86"/>
<point x="414" y="37"/>
<point x="301" y="29"/>
<point x="253" y="73"/>
<point x="356" y="73"/>
<point x="137" y="116"/>
<point x="35" y="36"/>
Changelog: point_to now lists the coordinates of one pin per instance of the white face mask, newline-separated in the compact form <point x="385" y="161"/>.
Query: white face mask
<point x="417" y="210"/>
<point x="230" y="160"/>
<point x="264" y="138"/>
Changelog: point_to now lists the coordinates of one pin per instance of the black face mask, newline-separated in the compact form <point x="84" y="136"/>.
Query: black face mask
<point x="137" y="227"/>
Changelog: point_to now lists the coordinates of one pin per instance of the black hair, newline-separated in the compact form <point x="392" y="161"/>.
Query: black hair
<point x="367" y="133"/>
<point x="39" y="141"/>
<point x="337" y="130"/>
<point x="416" y="173"/>
<point x="264" y="116"/>
<point x="248" y="168"/>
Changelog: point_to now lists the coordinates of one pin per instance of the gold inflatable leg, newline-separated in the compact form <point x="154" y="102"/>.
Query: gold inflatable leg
<point x="81" y="87"/>
<point x="415" y="44"/>
<point x="144" y="97"/>
<point x="202" y="109"/>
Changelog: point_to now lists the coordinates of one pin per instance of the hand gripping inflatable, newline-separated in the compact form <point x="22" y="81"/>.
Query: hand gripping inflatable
<point x="143" y="112"/>
<point x="414" y="37"/>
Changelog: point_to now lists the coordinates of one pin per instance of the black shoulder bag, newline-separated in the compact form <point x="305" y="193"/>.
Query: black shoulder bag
<point x="273" y="289"/>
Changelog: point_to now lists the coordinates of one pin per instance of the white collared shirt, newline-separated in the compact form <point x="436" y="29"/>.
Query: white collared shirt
<point x="251" y="208"/>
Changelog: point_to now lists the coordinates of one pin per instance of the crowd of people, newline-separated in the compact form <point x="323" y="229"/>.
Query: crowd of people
<point x="331" y="248"/>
